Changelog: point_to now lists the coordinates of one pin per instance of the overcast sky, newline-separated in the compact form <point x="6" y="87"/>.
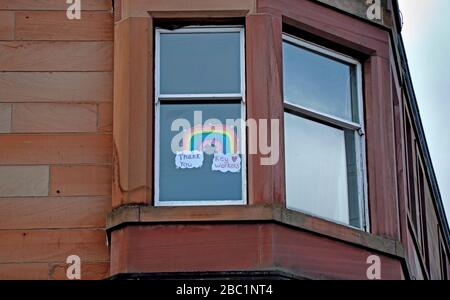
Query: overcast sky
<point x="426" y="33"/>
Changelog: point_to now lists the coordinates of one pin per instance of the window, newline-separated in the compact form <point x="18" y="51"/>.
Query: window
<point x="443" y="261"/>
<point x="199" y="84"/>
<point x="423" y="192"/>
<point x="410" y="146"/>
<point x="323" y="123"/>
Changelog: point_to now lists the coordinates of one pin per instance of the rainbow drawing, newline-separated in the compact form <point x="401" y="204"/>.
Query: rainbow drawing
<point x="222" y="138"/>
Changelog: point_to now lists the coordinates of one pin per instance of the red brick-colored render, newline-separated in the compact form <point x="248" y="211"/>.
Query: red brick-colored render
<point x="77" y="149"/>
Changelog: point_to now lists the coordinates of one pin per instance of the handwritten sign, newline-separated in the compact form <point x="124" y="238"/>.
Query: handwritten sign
<point x="189" y="159"/>
<point x="226" y="163"/>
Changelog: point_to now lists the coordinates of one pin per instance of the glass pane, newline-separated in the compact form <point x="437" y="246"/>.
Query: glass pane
<point x="200" y="63"/>
<point x="352" y="177"/>
<point x="317" y="82"/>
<point x="199" y="182"/>
<point x="321" y="176"/>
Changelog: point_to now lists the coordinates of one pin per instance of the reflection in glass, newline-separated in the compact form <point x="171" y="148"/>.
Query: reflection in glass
<point x="317" y="180"/>
<point x="317" y="82"/>
<point x="200" y="63"/>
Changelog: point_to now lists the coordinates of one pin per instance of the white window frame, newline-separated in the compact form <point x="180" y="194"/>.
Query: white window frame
<point x="341" y="123"/>
<point x="220" y="97"/>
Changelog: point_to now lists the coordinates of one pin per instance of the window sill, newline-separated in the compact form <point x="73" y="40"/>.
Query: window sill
<point x="142" y="215"/>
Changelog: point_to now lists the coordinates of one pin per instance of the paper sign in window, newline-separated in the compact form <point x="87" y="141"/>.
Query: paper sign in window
<point x="189" y="159"/>
<point x="226" y="163"/>
<point x="220" y="141"/>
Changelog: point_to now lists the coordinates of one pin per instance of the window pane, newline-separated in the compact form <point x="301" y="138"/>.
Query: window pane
<point x="354" y="205"/>
<point x="318" y="82"/>
<point x="200" y="63"/>
<point x="321" y="170"/>
<point x="202" y="183"/>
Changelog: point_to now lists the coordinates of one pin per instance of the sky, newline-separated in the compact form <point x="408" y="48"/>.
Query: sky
<point x="426" y="34"/>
